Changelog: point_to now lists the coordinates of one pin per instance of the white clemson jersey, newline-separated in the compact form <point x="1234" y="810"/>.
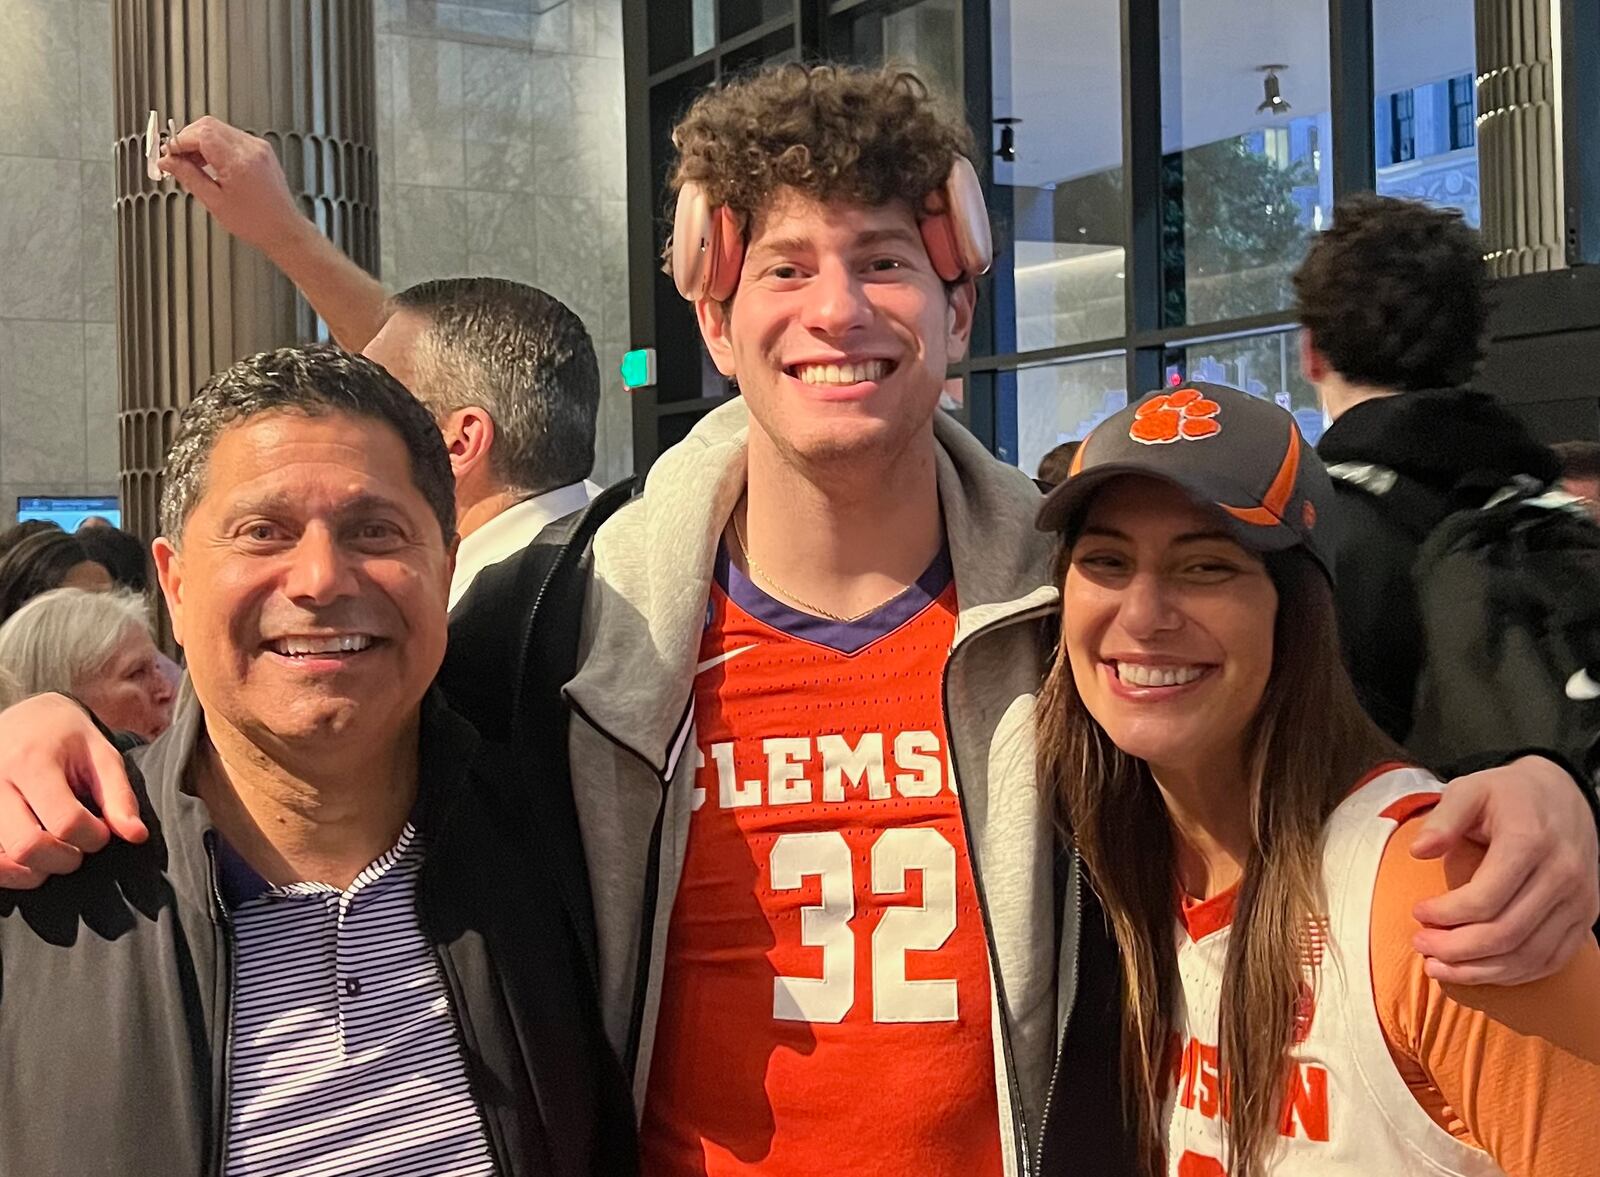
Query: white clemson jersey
<point x="1347" y="1111"/>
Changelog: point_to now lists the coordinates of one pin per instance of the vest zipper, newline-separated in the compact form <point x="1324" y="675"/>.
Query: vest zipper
<point x="533" y="620"/>
<point x="1019" y="1124"/>
<point x="652" y="894"/>
<point x="222" y="1043"/>
<point x="591" y="963"/>
<point x="1066" y="1018"/>
<point x="591" y="960"/>
<point x="491" y="1132"/>
<point x="647" y="924"/>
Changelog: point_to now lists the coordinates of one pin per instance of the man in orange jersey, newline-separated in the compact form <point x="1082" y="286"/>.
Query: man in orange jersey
<point x="827" y="890"/>
<point x="834" y="932"/>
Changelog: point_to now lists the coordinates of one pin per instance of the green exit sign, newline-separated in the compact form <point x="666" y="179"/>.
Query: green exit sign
<point x="639" y="368"/>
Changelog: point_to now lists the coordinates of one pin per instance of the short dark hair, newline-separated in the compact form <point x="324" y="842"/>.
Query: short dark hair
<point x="16" y="533"/>
<point x="1395" y="294"/>
<point x="36" y="564"/>
<point x="1057" y="464"/>
<point x="1579" y="459"/>
<point x="523" y="356"/>
<point x="124" y="555"/>
<point x="313" y="381"/>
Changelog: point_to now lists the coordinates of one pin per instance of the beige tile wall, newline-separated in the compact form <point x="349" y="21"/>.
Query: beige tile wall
<point x="57" y="252"/>
<point x="501" y="146"/>
<point x="501" y="152"/>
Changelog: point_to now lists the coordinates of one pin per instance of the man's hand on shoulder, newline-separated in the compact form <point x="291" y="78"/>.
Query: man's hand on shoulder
<point x="1532" y="902"/>
<point x="52" y="756"/>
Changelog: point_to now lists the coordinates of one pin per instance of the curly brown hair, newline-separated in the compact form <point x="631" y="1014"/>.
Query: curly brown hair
<point x="1395" y="294"/>
<point x="832" y="132"/>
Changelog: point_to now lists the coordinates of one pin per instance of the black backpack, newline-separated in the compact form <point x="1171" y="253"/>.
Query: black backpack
<point x="1509" y="596"/>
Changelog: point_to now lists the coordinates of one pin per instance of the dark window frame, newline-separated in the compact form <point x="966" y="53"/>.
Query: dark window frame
<point x="812" y="31"/>
<point x="1402" y="126"/>
<point x="1463" y="113"/>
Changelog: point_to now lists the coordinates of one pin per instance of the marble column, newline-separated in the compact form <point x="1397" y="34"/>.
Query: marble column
<point x="1519" y="136"/>
<point x="190" y="299"/>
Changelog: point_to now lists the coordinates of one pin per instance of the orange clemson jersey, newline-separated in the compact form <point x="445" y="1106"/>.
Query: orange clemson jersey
<point x="825" y="1003"/>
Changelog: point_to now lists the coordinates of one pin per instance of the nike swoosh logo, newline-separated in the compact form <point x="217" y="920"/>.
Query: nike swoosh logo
<point x="721" y="658"/>
<point x="1581" y="687"/>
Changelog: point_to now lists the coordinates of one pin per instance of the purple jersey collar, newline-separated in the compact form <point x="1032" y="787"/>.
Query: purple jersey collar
<point x="846" y="637"/>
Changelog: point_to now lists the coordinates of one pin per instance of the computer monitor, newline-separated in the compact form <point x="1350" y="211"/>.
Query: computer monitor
<point x="67" y="511"/>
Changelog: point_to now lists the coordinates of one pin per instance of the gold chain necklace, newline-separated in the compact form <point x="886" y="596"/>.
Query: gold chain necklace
<point x="801" y="601"/>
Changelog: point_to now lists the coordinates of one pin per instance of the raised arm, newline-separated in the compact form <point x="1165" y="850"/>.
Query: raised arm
<point x="239" y="180"/>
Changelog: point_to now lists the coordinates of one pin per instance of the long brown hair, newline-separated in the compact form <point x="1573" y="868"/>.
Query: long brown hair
<point x="1309" y="743"/>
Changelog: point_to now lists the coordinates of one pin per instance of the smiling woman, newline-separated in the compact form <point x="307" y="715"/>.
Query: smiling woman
<point x="1242" y="819"/>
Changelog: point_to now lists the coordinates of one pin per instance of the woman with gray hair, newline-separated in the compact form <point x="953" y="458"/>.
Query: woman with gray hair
<point x="95" y="646"/>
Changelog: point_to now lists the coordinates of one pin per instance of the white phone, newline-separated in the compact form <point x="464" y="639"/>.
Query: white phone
<point x="153" y="143"/>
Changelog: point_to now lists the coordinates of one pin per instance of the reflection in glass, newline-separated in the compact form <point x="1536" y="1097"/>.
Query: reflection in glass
<point x="923" y="35"/>
<point x="1062" y="402"/>
<point x="740" y="16"/>
<point x="1424" y="54"/>
<point x="1267" y="366"/>
<point x="1058" y="172"/>
<point x="704" y="18"/>
<point x="1245" y="181"/>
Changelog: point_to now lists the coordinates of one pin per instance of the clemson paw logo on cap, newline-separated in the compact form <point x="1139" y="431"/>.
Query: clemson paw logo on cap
<point x="1184" y="415"/>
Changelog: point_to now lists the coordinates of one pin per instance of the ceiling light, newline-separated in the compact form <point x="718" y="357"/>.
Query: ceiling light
<point x="1273" y="101"/>
<point x="1007" y="151"/>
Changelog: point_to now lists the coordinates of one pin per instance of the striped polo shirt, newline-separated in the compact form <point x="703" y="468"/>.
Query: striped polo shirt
<point x="345" y="1055"/>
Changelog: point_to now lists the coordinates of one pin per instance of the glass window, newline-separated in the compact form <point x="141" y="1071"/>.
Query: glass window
<point x="1057" y="144"/>
<point x="678" y="30"/>
<point x="1062" y="402"/>
<point x="1463" y="113"/>
<point x="704" y="18"/>
<point x="1263" y="365"/>
<point x="1246" y="135"/>
<point x="923" y="34"/>
<point x="740" y="16"/>
<point x="1427" y="51"/>
<point x="1403" y="126"/>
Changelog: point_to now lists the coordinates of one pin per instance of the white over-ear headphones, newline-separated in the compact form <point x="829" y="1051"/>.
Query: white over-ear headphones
<point x="708" y="241"/>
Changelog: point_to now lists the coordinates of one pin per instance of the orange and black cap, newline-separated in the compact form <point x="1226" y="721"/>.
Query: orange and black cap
<point x="1224" y="448"/>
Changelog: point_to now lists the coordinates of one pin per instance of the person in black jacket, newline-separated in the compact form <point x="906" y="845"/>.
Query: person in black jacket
<point x="1393" y="304"/>
<point x="342" y="948"/>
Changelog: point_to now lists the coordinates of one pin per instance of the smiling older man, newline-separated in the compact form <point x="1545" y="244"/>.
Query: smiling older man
<point x="334" y="954"/>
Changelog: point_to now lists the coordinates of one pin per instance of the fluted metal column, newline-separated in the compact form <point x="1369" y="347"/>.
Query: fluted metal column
<point x="1519" y="135"/>
<point x="190" y="299"/>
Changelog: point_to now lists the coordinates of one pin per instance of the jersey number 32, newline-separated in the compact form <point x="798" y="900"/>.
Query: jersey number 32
<point x="923" y="928"/>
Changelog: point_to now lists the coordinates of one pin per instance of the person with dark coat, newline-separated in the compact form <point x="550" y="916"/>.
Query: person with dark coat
<point x="343" y="945"/>
<point x="1393" y="305"/>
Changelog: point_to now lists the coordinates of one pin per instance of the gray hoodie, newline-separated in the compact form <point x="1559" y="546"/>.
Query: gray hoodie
<point x="633" y="696"/>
